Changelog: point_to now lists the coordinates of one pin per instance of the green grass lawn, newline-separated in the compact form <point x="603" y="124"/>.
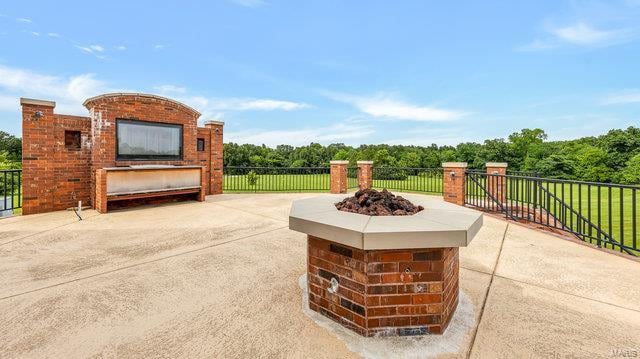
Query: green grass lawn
<point x="16" y="198"/>
<point x="282" y="183"/>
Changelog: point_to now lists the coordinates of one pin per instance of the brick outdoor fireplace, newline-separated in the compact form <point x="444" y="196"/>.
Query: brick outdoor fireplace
<point x="384" y="275"/>
<point x="132" y="148"/>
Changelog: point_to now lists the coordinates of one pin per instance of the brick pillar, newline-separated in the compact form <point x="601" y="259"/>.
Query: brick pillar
<point x="217" y="156"/>
<point x="38" y="151"/>
<point x="496" y="183"/>
<point x="339" y="176"/>
<point x="453" y="178"/>
<point x="100" y="204"/>
<point x="365" y="174"/>
<point x="203" y="184"/>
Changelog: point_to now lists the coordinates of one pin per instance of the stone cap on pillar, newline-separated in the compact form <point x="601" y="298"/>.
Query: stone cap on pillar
<point x="454" y="165"/>
<point x="218" y="123"/>
<point x="31" y="101"/>
<point x="496" y="164"/>
<point x="364" y="162"/>
<point x="339" y="162"/>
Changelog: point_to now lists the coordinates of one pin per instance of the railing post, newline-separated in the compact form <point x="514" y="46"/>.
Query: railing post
<point x="365" y="174"/>
<point x="496" y="182"/>
<point x="453" y="182"/>
<point x="338" y="176"/>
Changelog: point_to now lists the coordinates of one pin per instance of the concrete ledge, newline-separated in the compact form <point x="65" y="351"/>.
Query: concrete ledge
<point x="219" y="123"/>
<point x="454" y="165"/>
<point x="497" y="164"/>
<point x="31" y="101"/>
<point x="336" y="162"/>
<point x="439" y="225"/>
<point x="365" y="162"/>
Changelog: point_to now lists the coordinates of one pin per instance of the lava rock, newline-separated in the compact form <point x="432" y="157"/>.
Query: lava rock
<point x="378" y="203"/>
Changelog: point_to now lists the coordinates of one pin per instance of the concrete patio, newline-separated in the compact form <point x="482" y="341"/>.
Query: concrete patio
<point x="220" y="279"/>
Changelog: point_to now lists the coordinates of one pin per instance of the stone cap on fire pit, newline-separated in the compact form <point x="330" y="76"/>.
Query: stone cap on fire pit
<point x="439" y="225"/>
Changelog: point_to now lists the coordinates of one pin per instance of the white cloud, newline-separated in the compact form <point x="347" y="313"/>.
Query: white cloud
<point x="386" y="107"/>
<point x="158" y="47"/>
<point x="68" y="92"/>
<point x="24" y="20"/>
<point x="121" y="48"/>
<point x="249" y="104"/>
<point x="95" y="50"/>
<point x="53" y="34"/>
<point x="249" y="3"/>
<point x="583" y="34"/>
<point x="91" y="49"/>
<point x="35" y="33"/>
<point x="242" y="104"/>
<point x="335" y="133"/>
<point x="579" y="34"/>
<point x="164" y="89"/>
<point x="622" y="97"/>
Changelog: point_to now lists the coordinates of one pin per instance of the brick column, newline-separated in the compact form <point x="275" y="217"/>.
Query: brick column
<point x="38" y="152"/>
<point x="100" y="204"/>
<point x="203" y="184"/>
<point x="453" y="182"/>
<point x="217" y="156"/>
<point x="496" y="183"/>
<point x="339" y="176"/>
<point x="365" y="174"/>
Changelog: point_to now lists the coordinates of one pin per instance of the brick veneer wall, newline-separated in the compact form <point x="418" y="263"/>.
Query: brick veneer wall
<point x="106" y="109"/>
<point x="365" y="174"/>
<point x="454" y="182"/>
<point x="204" y="157"/>
<point x="338" y="176"/>
<point x="496" y="183"/>
<point x="386" y="292"/>
<point x="56" y="177"/>
<point x="216" y="161"/>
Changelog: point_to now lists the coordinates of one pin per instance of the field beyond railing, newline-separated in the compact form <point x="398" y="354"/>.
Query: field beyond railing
<point x="276" y="179"/>
<point x="428" y="180"/>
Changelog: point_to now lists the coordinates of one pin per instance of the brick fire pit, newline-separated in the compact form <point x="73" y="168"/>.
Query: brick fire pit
<point x="384" y="275"/>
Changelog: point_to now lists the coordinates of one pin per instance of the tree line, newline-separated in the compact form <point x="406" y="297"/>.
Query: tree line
<point x="612" y="157"/>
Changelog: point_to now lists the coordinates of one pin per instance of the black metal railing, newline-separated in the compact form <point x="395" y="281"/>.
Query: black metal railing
<point x="408" y="179"/>
<point x="603" y="214"/>
<point x="10" y="190"/>
<point x="276" y="179"/>
<point x="523" y="173"/>
<point x="352" y="177"/>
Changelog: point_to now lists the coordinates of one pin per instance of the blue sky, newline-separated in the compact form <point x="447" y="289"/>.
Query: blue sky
<point x="399" y="72"/>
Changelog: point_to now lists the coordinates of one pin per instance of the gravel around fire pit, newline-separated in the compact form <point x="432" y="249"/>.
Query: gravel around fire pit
<point x="378" y="203"/>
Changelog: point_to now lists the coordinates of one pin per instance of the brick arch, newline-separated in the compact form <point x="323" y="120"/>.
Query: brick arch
<point x="138" y="101"/>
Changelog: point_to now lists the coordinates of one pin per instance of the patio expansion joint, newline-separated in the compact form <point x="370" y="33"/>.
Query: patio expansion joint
<point x="49" y="229"/>
<point x="486" y="296"/>
<point x="134" y="265"/>
<point x="253" y="213"/>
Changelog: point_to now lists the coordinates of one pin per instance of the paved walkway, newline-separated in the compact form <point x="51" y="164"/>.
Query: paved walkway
<point x="220" y="279"/>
